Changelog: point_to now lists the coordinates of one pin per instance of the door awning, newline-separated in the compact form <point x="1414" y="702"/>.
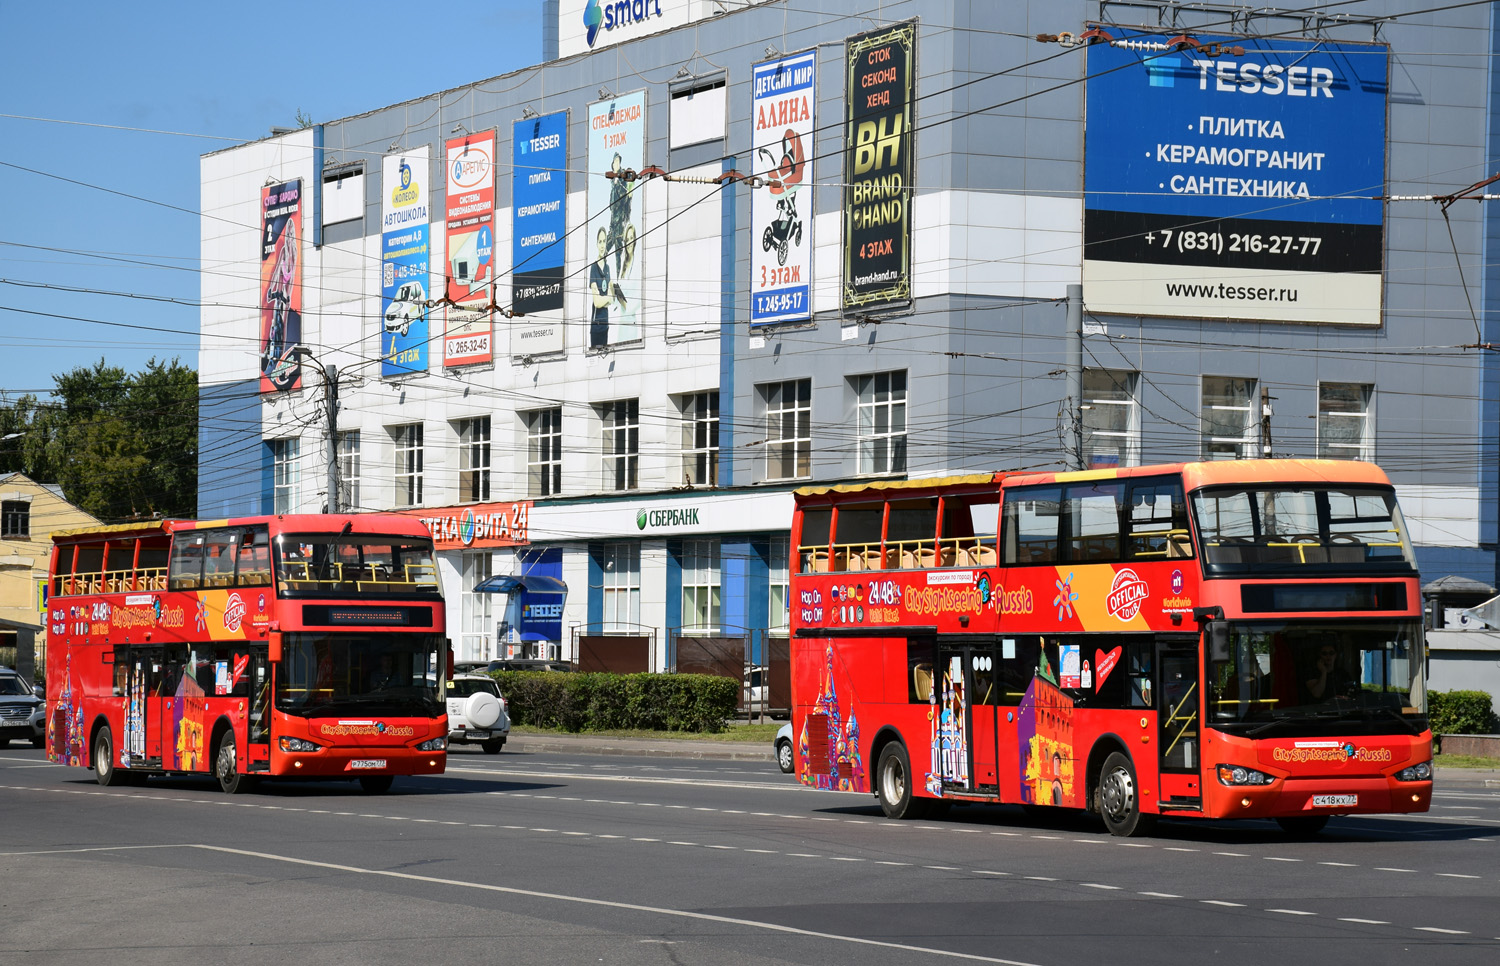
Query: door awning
<point x="518" y="583"/>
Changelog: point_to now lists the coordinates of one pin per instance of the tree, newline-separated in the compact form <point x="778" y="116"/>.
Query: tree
<point x="121" y="445"/>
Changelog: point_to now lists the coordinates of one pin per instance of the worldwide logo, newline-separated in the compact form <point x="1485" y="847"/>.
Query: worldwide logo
<point x="592" y="19"/>
<point x="1176" y="581"/>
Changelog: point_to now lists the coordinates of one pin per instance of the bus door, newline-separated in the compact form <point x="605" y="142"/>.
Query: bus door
<point x="1179" y="725"/>
<point x="141" y="742"/>
<point x="965" y="739"/>
<point x="258" y="737"/>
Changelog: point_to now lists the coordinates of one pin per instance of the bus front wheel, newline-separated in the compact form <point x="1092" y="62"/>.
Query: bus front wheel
<point x="227" y="769"/>
<point x="1119" y="798"/>
<point x="106" y="772"/>
<point x="893" y="784"/>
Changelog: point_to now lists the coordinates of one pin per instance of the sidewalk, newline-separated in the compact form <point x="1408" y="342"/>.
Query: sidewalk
<point x="648" y="747"/>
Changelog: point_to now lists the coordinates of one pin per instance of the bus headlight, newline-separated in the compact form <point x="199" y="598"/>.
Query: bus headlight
<point x="1239" y="775"/>
<point x="1416" y="773"/>
<point x="297" y="744"/>
<point x="433" y="744"/>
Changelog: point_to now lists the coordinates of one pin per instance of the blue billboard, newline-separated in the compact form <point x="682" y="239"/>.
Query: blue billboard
<point x="405" y="286"/>
<point x="540" y="196"/>
<point x="1237" y="186"/>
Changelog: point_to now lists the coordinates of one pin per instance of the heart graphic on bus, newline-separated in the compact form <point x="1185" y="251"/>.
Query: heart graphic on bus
<point x="1103" y="664"/>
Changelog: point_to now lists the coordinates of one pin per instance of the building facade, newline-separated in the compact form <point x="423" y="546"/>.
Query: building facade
<point x="704" y="253"/>
<point x="30" y="512"/>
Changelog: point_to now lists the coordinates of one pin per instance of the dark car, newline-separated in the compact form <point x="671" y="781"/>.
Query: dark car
<point x="21" y="713"/>
<point x="528" y="664"/>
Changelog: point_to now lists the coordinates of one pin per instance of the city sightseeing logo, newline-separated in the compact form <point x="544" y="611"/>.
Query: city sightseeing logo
<point x="1125" y="595"/>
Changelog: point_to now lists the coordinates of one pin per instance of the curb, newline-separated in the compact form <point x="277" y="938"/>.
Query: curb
<point x="646" y="747"/>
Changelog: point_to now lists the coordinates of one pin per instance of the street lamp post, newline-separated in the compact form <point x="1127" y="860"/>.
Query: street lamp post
<point x="331" y="416"/>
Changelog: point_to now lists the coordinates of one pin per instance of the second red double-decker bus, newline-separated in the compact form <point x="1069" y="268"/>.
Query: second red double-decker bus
<point x="304" y="646"/>
<point x="1206" y="640"/>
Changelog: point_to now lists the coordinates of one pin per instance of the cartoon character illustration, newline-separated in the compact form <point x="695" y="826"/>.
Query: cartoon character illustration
<point x="275" y="349"/>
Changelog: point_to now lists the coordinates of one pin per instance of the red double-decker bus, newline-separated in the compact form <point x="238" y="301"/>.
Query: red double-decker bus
<point x="306" y="646"/>
<point x="1201" y="640"/>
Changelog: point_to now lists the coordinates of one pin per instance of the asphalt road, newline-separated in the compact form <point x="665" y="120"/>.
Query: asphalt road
<point x="554" y="857"/>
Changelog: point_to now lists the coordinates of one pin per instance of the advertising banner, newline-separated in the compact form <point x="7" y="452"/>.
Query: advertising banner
<point x="477" y="525"/>
<point x="617" y="143"/>
<point x="539" y="220"/>
<point x="470" y="249"/>
<point x="878" y="169"/>
<point x="784" y="98"/>
<point x="280" y="285"/>
<point x="404" y="283"/>
<point x="1235" y="187"/>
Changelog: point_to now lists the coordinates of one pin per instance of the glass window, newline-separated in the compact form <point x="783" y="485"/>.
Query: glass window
<point x="474" y="460"/>
<point x="408" y="464"/>
<point x="1230" y="426"/>
<point x="15" y="519"/>
<point x="779" y="576"/>
<point x="882" y="422"/>
<point x="478" y="609"/>
<point x="544" y="452"/>
<point x="326" y="674"/>
<point x="349" y="470"/>
<point x="1094" y="521"/>
<point x="350" y="564"/>
<point x="1156" y="521"/>
<point x="186" y="571"/>
<point x="700" y="439"/>
<point x="788" y="429"/>
<point x="1344" y="421"/>
<point x="620" y="566"/>
<point x="622" y="444"/>
<point x="286" y="475"/>
<point x="700" y="585"/>
<point x="1111" y="419"/>
<point x="1271" y="529"/>
<point x="1033" y="519"/>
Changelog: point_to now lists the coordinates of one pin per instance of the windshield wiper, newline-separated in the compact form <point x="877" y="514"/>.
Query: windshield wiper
<point x="1307" y="717"/>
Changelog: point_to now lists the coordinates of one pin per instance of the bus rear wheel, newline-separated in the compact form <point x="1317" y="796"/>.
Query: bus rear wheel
<point x="893" y="784"/>
<point x="1119" y="799"/>
<point x="106" y="772"/>
<point x="227" y="769"/>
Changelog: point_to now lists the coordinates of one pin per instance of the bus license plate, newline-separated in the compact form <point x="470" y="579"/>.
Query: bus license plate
<point x="1335" y="801"/>
<point x="367" y="763"/>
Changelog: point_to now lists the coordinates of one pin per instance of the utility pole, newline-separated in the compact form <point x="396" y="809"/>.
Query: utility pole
<point x="1073" y="352"/>
<point x="1265" y="422"/>
<point x="331" y="413"/>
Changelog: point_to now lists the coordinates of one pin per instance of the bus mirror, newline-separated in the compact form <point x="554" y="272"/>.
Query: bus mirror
<point x="1218" y="642"/>
<point x="274" y="640"/>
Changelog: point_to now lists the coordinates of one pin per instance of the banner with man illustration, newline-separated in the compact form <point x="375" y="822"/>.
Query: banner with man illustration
<point x="617" y="144"/>
<point x="470" y="249"/>
<point x="405" y="286"/>
<point x="784" y="100"/>
<point x="878" y="166"/>
<point x="280" y="285"/>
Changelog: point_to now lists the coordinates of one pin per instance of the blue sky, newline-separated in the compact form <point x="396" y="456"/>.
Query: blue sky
<point x="221" y="73"/>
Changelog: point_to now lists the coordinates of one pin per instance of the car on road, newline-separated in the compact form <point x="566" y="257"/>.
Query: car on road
<point x="477" y="713"/>
<point x="783" y="746"/>
<point x="527" y="664"/>
<point x="21" y="710"/>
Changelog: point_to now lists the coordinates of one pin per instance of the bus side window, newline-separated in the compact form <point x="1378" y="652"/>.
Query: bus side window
<point x="1093" y="521"/>
<point x="1156" y="521"/>
<point x="187" y="562"/>
<point x="812" y="549"/>
<point x="1033" y="519"/>
<point x="1138" y="664"/>
<point x="1018" y="663"/>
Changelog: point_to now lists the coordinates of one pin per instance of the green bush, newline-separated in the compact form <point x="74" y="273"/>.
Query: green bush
<point x="604" y="702"/>
<point x="1460" y="713"/>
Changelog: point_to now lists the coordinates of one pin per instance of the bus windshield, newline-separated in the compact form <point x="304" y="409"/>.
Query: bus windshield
<point x="1311" y="678"/>
<point x="1264" y="530"/>
<point x="323" y="674"/>
<point x="350" y="565"/>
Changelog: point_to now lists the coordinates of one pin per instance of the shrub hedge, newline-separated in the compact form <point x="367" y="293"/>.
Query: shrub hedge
<point x="600" y="702"/>
<point x="1460" y="713"/>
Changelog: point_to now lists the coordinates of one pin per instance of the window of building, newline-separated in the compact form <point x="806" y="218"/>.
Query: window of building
<point x="788" y="429"/>
<point x="1344" y="421"/>
<point x="700" y="439"/>
<point x="622" y="443"/>
<point x="1230" y="428"/>
<point x="697" y="112"/>
<point x="474" y="460"/>
<point x="882" y="422"/>
<point x="544" y="452"/>
<point x="1111" y="419"/>
<point x="620" y="564"/>
<point x="478" y="609"/>
<point x="343" y="194"/>
<point x="349" y="469"/>
<point x="700" y="585"/>
<point x="408" y="464"/>
<point x="779" y="573"/>
<point x="286" y="475"/>
<point x="15" y="520"/>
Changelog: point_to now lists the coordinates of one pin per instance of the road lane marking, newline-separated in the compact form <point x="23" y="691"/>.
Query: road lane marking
<point x="1221" y="902"/>
<point x="1097" y="885"/>
<point x="1293" y="912"/>
<point x="1159" y="895"/>
<point x="1445" y="932"/>
<point x="611" y="904"/>
<point x="1364" y="922"/>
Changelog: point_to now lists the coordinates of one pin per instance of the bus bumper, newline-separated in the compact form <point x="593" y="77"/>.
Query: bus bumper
<point x="358" y="762"/>
<point x="1300" y="796"/>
